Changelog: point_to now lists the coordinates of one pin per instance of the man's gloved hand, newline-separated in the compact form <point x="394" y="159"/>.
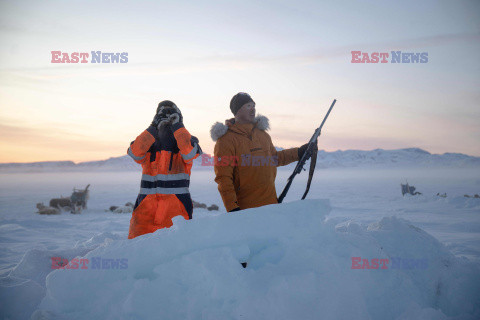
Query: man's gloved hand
<point x="175" y="115"/>
<point x="159" y="117"/>
<point x="175" y="118"/>
<point x="303" y="149"/>
<point x="178" y="112"/>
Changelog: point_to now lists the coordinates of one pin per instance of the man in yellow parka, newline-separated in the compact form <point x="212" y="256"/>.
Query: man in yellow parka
<point x="245" y="159"/>
<point x="166" y="151"/>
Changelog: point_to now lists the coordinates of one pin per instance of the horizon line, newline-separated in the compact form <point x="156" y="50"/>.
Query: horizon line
<point x="412" y="148"/>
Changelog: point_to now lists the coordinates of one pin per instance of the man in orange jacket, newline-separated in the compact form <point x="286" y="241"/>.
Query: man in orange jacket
<point x="166" y="151"/>
<point x="245" y="159"/>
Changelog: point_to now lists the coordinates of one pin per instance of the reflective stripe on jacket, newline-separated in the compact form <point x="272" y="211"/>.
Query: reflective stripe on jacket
<point x="166" y="162"/>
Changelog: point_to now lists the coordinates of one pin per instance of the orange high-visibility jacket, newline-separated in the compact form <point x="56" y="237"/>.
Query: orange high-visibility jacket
<point x="166" y="164"/>
<point x="249" y="181"/>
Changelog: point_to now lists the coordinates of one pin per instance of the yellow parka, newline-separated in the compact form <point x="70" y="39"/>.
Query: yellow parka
<point x="246" y="163"/>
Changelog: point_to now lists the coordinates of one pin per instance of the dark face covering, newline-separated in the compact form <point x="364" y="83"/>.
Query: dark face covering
<point x="164" y="128"/>
<point x="165" y="140"/>
<point x="165" y="137"/>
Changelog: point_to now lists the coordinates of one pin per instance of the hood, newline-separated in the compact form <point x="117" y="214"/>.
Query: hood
<point x="219" y="129"/>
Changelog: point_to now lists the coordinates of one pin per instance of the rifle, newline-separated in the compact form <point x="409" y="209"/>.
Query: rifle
<point x="312" y="150"/>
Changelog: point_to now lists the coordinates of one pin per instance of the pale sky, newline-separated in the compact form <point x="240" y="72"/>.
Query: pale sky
<point x="293" y="57"/>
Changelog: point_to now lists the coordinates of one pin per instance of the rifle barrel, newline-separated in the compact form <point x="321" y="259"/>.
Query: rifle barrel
<point x="302" y="161"/>
<point x="328" y="112"/>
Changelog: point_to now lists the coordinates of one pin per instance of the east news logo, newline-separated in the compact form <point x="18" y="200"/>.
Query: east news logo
<point x="82" y="57"/>
<point x="395" y="57"/>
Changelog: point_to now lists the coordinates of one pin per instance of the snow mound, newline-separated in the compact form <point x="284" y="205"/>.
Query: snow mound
<point x="465" y="202"/>
<point x="27" y="279"/>
<point x="300" y="266"/>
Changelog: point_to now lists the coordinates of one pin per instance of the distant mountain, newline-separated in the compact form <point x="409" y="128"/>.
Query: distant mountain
<point x="37" y="166"/>
<point x="378" y="158"/>
<point x="411" y="157"/>
<point x="122" y="163"/>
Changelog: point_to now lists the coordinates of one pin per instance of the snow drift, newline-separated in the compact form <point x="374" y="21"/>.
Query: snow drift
<point x="299" y="267"/>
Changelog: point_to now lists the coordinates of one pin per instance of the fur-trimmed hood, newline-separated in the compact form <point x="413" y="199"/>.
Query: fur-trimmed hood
<point x="219" y="129"/>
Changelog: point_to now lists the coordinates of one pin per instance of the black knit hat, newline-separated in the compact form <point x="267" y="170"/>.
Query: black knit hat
<point x="239" y="100"/>
<point x="165" y="103"/>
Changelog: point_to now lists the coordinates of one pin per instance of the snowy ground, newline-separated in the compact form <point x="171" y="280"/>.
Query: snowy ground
<point x="364" y="196"/>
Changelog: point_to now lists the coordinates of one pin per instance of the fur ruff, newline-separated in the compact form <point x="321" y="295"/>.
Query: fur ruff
<point x="219" y="129"/>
